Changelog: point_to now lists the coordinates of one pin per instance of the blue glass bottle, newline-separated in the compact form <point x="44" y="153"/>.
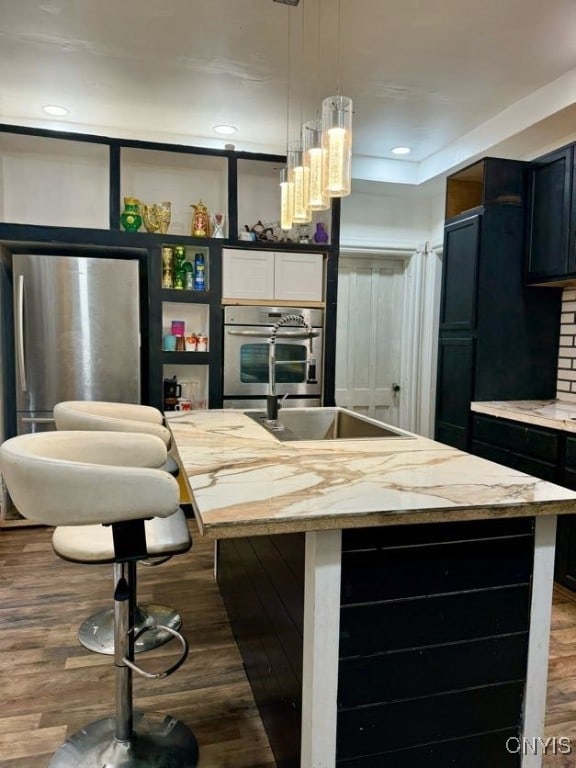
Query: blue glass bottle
<point x="199" y="273"/>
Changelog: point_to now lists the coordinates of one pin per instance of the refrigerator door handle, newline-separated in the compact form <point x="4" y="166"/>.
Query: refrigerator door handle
<point x="20" y="334"/>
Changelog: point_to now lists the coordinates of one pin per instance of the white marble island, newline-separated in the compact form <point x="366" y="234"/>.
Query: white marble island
<point x="425" y="578"/>
<point x="245" y="482"/>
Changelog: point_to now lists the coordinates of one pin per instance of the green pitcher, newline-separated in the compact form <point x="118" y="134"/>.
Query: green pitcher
<point x="131" y="218"/>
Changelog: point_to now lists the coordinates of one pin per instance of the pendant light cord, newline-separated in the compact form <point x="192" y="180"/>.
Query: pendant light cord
<point x="339" y="66"/>
<point x="302" y="63"/>
<point x="288" y="84"/>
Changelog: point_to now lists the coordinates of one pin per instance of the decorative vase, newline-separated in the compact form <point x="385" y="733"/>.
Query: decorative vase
<point x="131" y="218"/>
<point x="149" y="217"/>
<point x="200" y="220"/>
<point x="167" y="267"/>
<point x="163" y="216"/>
<point x="320" y="236"/>
<point x="157" y="217"/>
<point x="218" y="224"/>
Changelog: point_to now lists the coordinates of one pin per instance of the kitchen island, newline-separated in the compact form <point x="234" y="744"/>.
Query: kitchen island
<point x="391" y="597"/>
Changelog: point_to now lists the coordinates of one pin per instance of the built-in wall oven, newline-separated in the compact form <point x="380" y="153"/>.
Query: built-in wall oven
<point x="246" y="356"/>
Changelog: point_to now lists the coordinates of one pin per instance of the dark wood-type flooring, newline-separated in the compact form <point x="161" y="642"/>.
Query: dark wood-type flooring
<point x="51" y="686"/>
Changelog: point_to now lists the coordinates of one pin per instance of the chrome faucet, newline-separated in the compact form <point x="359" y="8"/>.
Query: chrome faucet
<point x="272" y="405"/>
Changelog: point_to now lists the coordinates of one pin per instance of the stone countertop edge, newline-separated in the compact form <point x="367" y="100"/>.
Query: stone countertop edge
<point x="243" y="482"/>
<point x="553" y="414"/>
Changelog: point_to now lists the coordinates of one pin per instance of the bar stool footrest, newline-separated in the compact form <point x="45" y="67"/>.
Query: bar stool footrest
<point x="97" y="633"/>
<point x="158" y="741"/>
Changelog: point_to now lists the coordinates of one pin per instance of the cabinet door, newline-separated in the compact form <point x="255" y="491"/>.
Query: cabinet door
<point x="298" y="276"/>
<point x="454" y="391"/>
<point x="459" y="273"/>
<point x="549" y="217"/>
<point x="565" y="562"/>
<point x="247" y="274"/>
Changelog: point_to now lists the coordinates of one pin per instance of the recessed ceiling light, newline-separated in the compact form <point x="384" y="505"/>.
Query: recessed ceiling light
<point x="225" y="130"/>
<point x="401" y="150"/>
<point x="54" y="109"/>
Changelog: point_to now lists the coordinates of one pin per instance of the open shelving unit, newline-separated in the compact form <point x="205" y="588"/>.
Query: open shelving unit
<point x="63" y="193"/>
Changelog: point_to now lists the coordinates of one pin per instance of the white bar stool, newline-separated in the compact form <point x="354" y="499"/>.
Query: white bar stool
<point x="97" y="632"/>
<point x="88" y="479"/>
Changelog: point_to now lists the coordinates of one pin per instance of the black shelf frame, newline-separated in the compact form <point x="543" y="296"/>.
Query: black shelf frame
<point x="146" y="247"/>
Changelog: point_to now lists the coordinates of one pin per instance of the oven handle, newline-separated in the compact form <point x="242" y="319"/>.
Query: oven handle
<point x="279" y="335"/>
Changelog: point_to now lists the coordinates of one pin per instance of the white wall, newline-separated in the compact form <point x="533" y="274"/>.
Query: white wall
<point x="385" y="216"/>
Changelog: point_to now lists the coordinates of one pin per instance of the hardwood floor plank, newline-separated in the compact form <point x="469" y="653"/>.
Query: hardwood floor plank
<point x="51" y="686"/>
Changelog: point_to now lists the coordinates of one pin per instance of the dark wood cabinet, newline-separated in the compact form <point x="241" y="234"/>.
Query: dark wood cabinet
<point x="455" y="385"/>
<point x="461" y="251"/>
<point x="498" y="338"/>
<point x="534" y="450"/>
<point x="551" y="238"/>
<point x="548" y="454"/>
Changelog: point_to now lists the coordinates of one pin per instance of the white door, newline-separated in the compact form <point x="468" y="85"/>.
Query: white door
<point x="370" y="313"/>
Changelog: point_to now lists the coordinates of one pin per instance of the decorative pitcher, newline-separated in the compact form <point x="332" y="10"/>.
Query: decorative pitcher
<point x="200" y="220"/>
<point x="130" y="218"/>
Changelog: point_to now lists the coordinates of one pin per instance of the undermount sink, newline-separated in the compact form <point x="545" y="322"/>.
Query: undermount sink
<point x="325" y="424"/>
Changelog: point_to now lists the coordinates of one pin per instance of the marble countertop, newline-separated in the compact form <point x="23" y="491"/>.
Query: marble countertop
<point x="245" y="482"/>
<point x="555" y="414"/>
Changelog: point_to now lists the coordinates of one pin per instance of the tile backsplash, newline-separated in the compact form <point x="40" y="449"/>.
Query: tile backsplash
<point x="566" y="381"/>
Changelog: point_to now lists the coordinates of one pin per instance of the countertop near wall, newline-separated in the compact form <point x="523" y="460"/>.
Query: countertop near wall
<point x="554" y="414"/>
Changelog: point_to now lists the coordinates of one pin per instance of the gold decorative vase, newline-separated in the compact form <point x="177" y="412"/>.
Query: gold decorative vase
<point x="157" y="217"/>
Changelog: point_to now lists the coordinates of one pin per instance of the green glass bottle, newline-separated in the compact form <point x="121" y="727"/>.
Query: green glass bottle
<point x="179" y="274"/>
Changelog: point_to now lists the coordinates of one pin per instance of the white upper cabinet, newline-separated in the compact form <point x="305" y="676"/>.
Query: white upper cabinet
<point x="247" y="274"/>
<point x="268" y="275"/>
<point x="298" y="276"/>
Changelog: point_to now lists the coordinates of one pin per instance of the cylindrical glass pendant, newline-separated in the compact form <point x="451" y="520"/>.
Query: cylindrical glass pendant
<point x="314" y="159"/>
<point x="286" y="200"/>
<point x="300" y="177"/>
<point x="337" y="143"/>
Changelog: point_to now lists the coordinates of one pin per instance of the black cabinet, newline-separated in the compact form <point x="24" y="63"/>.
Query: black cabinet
<point x="565" y="564"/>
<point x="548" y="454"/>
<point x="498" y="338"/>
<point x="461" y="251"/>
<point x="455" y="386"/>
<point x="534" y="450"/>
<point x="550" y="252"/>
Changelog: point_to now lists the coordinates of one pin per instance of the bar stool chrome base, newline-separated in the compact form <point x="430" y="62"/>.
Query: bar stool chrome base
<point x="158" y="741"/>
<point x="97" y="633"/>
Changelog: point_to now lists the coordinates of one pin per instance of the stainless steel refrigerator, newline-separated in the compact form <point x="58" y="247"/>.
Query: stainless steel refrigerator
<point x="76" y="333"/>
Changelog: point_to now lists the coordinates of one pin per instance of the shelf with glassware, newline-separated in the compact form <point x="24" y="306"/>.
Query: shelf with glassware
<point x="175" y="190"/>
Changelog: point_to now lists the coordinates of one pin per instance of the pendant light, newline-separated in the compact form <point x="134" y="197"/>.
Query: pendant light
<point x="337" y="143"/>
<point x="337" y="134"/>
<point x="286" y="200"/>
<point x="315" y="160"/>
<point x="286" y="182"/>
<point x="299" y="174"/>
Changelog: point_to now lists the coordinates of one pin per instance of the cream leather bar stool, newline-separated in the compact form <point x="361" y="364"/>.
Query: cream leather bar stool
<point x="87" y="478"/>
<point x="97" y="632"/>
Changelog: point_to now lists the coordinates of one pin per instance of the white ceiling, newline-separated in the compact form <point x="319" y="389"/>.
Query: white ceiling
<point x="453" y="79"/>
